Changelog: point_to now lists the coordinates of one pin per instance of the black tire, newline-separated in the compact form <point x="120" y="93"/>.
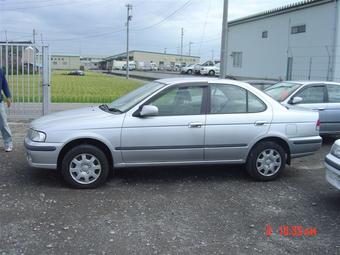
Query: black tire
<point x="75" y="153"/>
<point x="212" y="73"/>
<point x="261" y="149"/>
<point x="189" y="71"/>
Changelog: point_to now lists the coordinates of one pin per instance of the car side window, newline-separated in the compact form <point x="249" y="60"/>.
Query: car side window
<point x="312" y="95"/>
<point x="255" y="104"/>
<point x="227" y="99"/>
<point x="180" y="101"/>
<point x="333" y="93"/>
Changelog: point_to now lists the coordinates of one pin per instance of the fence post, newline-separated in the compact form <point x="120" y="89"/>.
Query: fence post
<point x="289" y="68"/>
<point x="46" y="80"/>
<point x="310" y="68"/>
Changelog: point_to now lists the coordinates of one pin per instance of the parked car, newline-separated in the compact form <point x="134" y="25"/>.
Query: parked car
<point x="210" y="70"/>
<point x="323" y="97"/>
<point x="332" y="163"/>
<point x="198" y="68"/>
<point x="261" y="84"/>
<point x="131" y="67"/>
<point x="174" y="122"/>
<point x="77" y="73"/>
<point x="188" y="69"/>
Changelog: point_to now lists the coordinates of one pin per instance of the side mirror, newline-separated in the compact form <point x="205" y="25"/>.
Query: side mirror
<point x="148" y="110"/>
<point x="296" y="100"/>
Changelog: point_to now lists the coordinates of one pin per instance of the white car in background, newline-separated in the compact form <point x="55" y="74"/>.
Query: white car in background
<point x="332" y="162"/>
<point x="210" y="70"/>
<point x="189" y="69"/>
<point x="198" y="68"/>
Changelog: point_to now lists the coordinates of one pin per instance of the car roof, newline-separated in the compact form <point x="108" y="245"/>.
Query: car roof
<point x="313" y="82"/>
<point x="173" y="81"/>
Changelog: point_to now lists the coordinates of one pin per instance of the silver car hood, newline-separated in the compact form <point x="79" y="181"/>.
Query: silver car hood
<point x="83" y="118"/>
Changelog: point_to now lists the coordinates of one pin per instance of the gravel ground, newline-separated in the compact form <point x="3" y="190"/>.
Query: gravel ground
<point x="172" y="210"/>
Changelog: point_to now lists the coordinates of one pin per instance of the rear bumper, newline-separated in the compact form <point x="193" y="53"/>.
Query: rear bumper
<point x="300" y="147"/>
<point x="333" y="170"/>
<point x="42" y="155"/>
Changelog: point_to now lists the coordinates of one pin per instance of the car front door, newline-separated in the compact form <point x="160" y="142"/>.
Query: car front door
<point x="236" y="118"/>
<point x="333" y="109"/>
<point x="314" y="97"/>
<point x="175" y="135"/>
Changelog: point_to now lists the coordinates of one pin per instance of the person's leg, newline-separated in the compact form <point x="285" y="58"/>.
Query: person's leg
<point x="4" y="128"/>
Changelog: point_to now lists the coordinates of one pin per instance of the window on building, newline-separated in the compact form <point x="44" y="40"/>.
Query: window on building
<point x="237" y="59"/>
<point x="298" y="29"/>
<point x="55" y="63"/>
<point x="265" y="34"/>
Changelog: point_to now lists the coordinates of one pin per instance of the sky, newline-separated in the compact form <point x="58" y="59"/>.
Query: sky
<point x="97" y="27"/>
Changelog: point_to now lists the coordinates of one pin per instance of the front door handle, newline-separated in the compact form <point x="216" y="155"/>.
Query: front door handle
<point x="195" y="125"/>
<point x="320" y="109"/>
<point x="260" y="122"/>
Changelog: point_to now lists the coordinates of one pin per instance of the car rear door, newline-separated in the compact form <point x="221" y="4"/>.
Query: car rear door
<point x="176" y="135"/>
<point x="314" y="97"/>
<point x="236" y="117"/>
<point x="333" y="109"/>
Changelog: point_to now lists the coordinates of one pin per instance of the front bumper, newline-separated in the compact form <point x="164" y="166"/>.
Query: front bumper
<point x="42" y="155"/>
<point x="333" y="170"/>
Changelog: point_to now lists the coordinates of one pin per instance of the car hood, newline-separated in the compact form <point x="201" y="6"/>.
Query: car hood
<point x="83" y="118"/>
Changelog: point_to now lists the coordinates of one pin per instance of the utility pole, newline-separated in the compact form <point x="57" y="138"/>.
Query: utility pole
<point x="165" y="50"/>
<point x="224" y="42"/>
<point x="190" y="43"/>
<point x="33" y="36"/>
<point x="212" y="55"/>
<point x="182" y="34"/>
<point x="128" y="19"/>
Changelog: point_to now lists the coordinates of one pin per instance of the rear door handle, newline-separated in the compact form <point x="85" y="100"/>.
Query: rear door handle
<point x="195" y="125"/>
<point x="260" y="122"/>
<point x="320" y="109"/>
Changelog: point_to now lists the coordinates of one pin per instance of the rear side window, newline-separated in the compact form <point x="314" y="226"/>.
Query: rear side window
<point x="333" y="93"/>
<point x="228" y="99"/>
<point x="312" y="95"/>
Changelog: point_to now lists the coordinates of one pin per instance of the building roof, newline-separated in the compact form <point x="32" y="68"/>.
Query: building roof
<point x="151" y="52"/>
<point x="280" y="10"/>
<point x="65" y="55"/>
<point x="16" y="42"/>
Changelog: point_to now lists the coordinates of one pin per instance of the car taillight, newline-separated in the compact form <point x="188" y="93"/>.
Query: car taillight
<point x="318" y="125"/>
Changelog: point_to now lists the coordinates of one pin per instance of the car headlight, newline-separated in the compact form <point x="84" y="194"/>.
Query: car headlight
<point x="36" y="136"/>
<point x="335" y="151"/>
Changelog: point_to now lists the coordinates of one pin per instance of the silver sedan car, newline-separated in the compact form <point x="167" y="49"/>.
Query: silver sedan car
<point x="174" y="122"/>
<point x="323" y="97"/>
<point x="332" y="163"/>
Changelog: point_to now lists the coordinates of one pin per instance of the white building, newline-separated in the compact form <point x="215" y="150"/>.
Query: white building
<point x="298" y="41"/>
<point x="65" y="61"/>
<point x="90" y="62"/>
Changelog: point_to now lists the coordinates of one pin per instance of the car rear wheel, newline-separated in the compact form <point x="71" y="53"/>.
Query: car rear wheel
<point x="85" y="167"/>
<point x="189" y="71"/>
<point x="266" y="161"/>
<point x="212" y="73"/>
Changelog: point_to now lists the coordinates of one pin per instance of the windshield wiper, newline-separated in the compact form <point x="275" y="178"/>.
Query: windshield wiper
<point x="112" y="109"/>
<point x="105" y="107"/>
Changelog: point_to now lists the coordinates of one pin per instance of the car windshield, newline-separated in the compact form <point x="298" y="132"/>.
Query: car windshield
<point x="126" y="102"/>
<point x="281" y="90"/>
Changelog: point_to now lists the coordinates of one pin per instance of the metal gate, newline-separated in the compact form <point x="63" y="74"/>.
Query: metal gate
<point x="27" y="69"/>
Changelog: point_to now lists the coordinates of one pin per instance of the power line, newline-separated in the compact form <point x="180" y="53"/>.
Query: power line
<point x="164" y="19"/>
<point x="52" y="5"/>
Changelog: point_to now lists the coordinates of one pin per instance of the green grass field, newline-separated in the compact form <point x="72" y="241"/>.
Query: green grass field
<point x="92" y="88"/>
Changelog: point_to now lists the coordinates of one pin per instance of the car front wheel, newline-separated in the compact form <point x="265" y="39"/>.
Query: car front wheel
<point x="85" y="167"/>
<point x="266" y="161"/>
<point x="212" y="73"/>
<point x="189" y="71"/>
